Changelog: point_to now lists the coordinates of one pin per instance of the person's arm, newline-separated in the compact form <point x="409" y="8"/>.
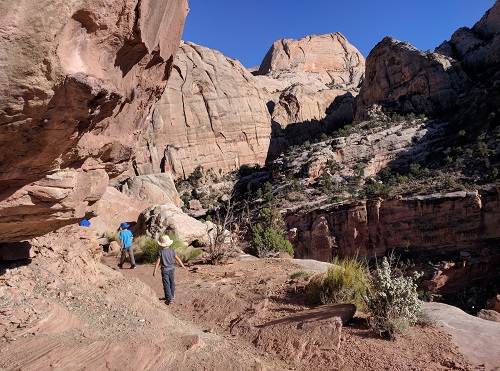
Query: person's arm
<point x="156" y="266"/>
<point x="181" y="263"/>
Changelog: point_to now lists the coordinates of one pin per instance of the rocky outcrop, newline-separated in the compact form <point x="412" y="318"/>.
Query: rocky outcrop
<point x="368" y="228"/>
<point x="404" y="79"/>
<point x="477" y="48"/>
<point x="152" y="189"/>
<point x="211" y="115"/>
<point x="400" y="144"/>
<point x="77" y="82"/>
<point x="166" y="218"/>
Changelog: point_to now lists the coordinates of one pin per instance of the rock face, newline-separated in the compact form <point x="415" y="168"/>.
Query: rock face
<point x="77" y="81"/>
<point x="369" y="228"/>
<point x="404" y="79"/>
<point x="313" y="81"/>
<point x="212" y="115"/>
<point x="476" y="48"/>
<point x="217" y="115"/>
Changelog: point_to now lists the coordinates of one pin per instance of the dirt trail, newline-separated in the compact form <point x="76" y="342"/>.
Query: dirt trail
<point x="217" y="298"/>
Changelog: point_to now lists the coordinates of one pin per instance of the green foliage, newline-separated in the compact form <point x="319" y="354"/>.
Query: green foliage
<point x="323" y="137"/>
<point x="375" y="190"/>
<point x="147" y="248"/>
<point x="299" y="274"/>
<point x="345" y="282"/>
<point x="195" y="176"/>
<point x="392" y="300"/>
<point x="266" y="240"/>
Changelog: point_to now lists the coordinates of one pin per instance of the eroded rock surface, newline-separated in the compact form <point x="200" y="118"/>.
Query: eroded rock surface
<point x="368" y="228"/>
<point x="212" y="115"/>
<point x="404" y="79"/>
<point x="77" y="81"/>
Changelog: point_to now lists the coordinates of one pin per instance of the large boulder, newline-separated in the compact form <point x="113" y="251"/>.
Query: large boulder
<point x="77" y="81"/>
<point x="152" y="189"/>
<point x="165" y="218"/>
<point x="114" y="208"/>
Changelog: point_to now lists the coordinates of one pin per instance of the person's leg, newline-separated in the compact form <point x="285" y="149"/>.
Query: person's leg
<point x="131" y="254"/>
<point x="165" y="277"/>
<point x="172" y="282"/>
<point x="122" y="258"/>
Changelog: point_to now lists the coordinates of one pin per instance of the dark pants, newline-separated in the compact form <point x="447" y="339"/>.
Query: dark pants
<point x="167" y="278"/>
<point x="130" y="252"/>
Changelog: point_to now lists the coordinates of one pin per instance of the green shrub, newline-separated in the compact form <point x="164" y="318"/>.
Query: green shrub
<point x="147" y="248"/>
<point x="266" y="240"/>
<point x="392" y="300"/>
<point x="345" y="282"/>
<point x="299" y="274"/>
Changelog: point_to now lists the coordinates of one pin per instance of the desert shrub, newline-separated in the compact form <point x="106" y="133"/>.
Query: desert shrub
<point x="147" y="248"/>
<point x="392" y="300"/>
<point x="111" y="235"/>
<point x="299" y="274"/>
<point x="266" y="240"/>
<point x="345" y="282"/>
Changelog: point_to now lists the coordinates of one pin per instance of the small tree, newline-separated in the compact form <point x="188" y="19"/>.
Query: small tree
<point x="267" y="236"/>
<point x="225" y="235"/>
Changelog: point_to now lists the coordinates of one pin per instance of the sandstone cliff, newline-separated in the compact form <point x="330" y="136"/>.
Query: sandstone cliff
<point x="77" y="81"/>
<point x="216" y="114"/>
<point x="404" y="79"/>
<point x="212" y="114"/>
<point x="457" y="221"/>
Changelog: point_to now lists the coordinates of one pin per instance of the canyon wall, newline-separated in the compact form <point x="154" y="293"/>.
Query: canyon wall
<point x="456" y="221"/>
<point x="217" y="115"/>
<point x="78" y="80"/>
<point x="212" y="114"/>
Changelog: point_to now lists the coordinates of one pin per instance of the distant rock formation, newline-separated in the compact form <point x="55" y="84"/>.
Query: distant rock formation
<point x="217" y="115"/>
<point x="212" y="114"/>
<point x="318" y="78"/>
<point x="77" y="82"/>
<point x="477" y="48"/>
<point x="403" y="79"/>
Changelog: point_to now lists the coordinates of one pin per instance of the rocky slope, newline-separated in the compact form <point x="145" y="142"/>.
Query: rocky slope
<point x="77" y="82"/>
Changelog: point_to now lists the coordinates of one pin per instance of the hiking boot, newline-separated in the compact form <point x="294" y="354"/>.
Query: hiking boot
<point x="120" y="266"/>
<point x="133" y="267"/>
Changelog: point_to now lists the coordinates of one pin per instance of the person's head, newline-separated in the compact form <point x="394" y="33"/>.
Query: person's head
<point x="165" y="241"/>
<point x="124" y="225"/>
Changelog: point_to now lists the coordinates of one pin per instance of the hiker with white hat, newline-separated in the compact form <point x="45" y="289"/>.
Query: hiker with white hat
<point x="166" y="257"/>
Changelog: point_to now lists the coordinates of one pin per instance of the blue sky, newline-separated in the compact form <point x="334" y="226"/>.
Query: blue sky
<point x="245" y="30"/>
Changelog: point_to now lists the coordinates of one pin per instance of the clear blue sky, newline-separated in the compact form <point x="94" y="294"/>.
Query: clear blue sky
<point x="245" y="30"/>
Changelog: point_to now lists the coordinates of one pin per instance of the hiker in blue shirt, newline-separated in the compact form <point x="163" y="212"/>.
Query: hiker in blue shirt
<point x="126" y="242"/>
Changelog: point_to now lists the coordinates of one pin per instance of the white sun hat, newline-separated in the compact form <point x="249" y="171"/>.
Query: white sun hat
<point x="165" y="241"/>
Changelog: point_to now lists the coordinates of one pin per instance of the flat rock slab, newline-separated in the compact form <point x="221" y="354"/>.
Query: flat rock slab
<point x="477" y="339"/>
